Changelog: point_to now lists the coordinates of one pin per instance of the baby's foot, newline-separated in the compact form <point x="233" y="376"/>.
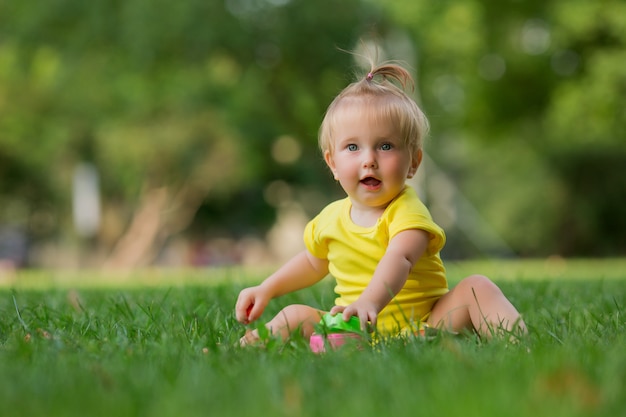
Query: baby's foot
<point x="251" y="338"/>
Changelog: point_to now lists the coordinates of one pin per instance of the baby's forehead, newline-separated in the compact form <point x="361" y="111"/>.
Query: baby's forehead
<point x="372" y="111"/>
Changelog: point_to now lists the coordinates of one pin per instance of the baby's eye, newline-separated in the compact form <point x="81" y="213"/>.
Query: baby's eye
<point x="386" y="146"/>
<point x="352" y="147"/>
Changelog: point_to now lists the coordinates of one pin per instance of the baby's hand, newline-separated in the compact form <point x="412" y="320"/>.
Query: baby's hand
<point x="250" y="305"/>
<point x="366" y="312"/>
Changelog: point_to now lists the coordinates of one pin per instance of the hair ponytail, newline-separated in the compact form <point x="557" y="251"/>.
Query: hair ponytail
<point x="392" y="71"/>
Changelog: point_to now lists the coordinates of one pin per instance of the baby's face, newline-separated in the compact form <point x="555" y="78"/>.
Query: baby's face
<point x="369" y="157"/>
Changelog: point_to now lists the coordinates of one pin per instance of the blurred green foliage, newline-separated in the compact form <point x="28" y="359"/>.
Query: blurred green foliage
<point x="214" y="101"/>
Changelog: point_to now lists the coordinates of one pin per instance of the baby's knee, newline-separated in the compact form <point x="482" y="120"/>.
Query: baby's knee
<point x="295" y="311"/>
<point x="299" y="315"/>
<point x="479" y="284"/>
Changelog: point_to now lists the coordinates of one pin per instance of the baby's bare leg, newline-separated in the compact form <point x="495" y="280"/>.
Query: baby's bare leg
<point x="477" y="303"/>
<point x="289" y="319"/>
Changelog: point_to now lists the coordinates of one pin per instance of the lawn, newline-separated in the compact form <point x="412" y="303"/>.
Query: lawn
<point x="163" y="343"/>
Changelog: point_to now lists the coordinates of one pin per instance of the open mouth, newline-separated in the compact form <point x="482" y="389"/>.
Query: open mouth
<point x="370" y="182"/>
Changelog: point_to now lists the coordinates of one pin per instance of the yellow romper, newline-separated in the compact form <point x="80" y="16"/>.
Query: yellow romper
<point x="353" y="252"/>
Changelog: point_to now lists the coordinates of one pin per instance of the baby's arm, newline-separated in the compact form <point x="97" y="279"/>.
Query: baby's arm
<point x="303" y="270"/>
<point x="404" y="250"/>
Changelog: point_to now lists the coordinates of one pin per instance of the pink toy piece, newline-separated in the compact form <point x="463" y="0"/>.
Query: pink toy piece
<point x="335" y="340"/>
<point x="316" y="342"/>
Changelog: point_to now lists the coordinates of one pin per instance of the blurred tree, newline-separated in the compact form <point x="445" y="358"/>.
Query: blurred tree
<point x="586" y="124"/>
<point x="527" y="101"/>
<point x="201" y="117"/>
<point x="180" y="106"/>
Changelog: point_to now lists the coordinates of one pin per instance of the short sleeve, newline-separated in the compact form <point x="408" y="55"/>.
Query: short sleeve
<point x="409" y="212"/>
<point x="312" y="240"/>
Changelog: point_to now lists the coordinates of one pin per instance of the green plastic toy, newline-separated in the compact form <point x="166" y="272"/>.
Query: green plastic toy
<point x="335" y="332"/>
<point x="336" y="323"/>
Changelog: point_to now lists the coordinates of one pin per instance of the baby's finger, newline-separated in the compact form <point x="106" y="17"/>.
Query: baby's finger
<point x="336" y="310"/>
<point x="349" y="312"/>
<point x="373" y="318"/>
<point x="242" y="310"/>
<point x="241" y="316"/>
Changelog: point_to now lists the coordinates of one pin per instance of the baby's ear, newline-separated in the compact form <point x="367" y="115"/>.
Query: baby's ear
<point x="328" y="157"/>
<point x="415" y="163"/>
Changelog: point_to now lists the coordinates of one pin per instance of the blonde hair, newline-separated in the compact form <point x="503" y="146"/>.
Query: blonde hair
<point x="386" y="100"/>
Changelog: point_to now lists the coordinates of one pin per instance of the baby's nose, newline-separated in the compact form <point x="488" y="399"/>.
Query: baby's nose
<point x="369" y="160"/>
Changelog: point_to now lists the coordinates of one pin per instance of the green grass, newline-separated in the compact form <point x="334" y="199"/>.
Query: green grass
<point x="81" y="346"/>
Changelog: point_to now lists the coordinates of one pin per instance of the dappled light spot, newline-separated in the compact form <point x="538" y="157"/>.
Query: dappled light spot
<point x="277" y="192"/>
<point x="535" y="37"/>
<point x="286" y="150"/>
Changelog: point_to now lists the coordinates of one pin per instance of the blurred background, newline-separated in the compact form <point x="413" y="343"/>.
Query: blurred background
<point x="156" y="133"/>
